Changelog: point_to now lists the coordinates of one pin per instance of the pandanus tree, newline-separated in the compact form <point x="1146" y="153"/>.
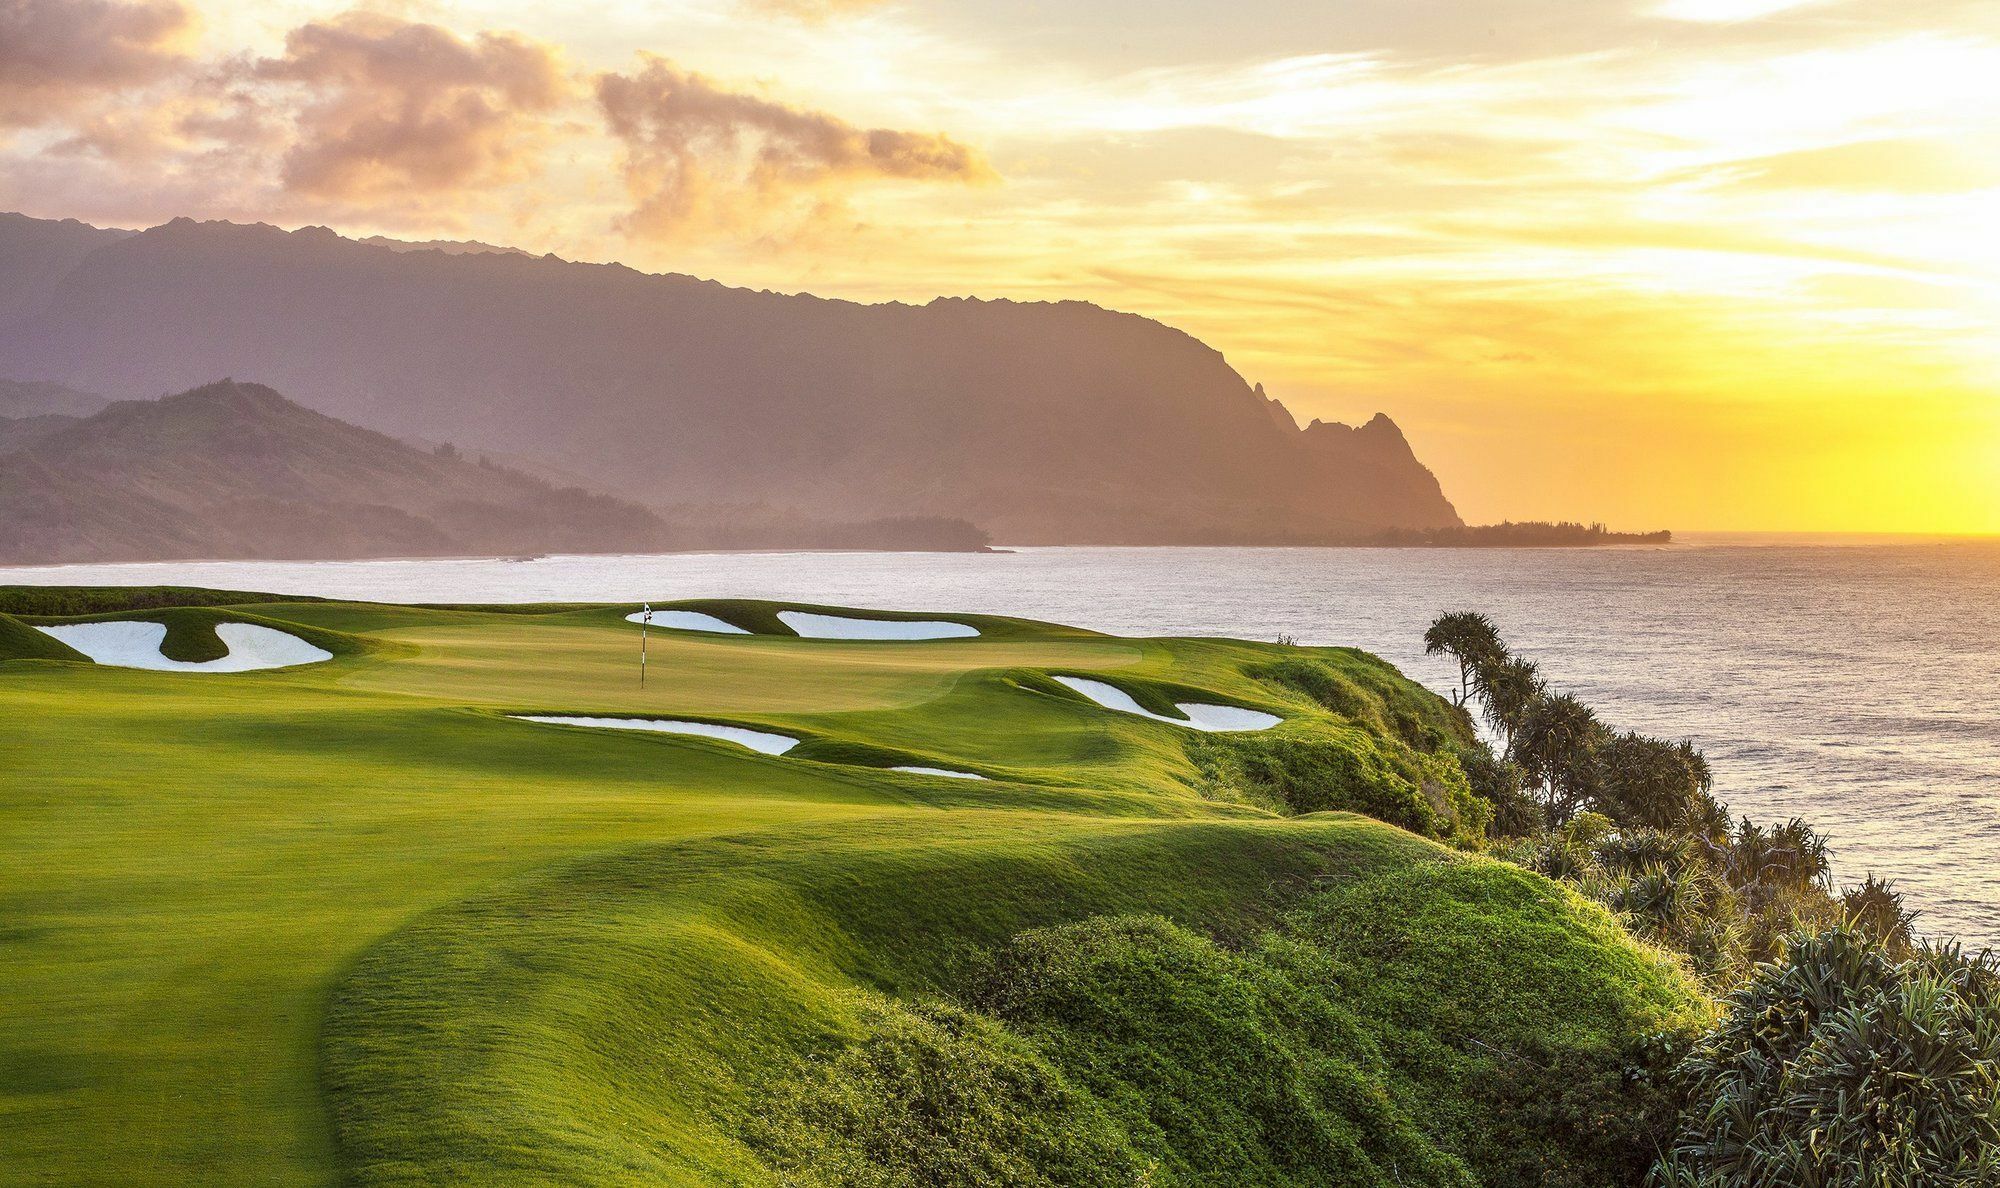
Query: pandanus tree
<point x="1876" y="909"/>
<point x="1509" y="689"/>
<point x="1557" y="746"/>
<point x="1653" y="783"/>
<point x="1469" y="638"/>
<point x="1839" y="1066"/>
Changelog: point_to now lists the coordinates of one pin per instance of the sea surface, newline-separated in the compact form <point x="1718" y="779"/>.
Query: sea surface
<point x="1855" y="682"/>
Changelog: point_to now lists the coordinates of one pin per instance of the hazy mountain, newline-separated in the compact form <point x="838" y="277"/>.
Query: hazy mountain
<point x="36" y="254"/>
<point x="1041" y="422"/>
<point x="450" y="247"/>
<point x="237" y="471"/>
<point x="20" y="398"/>
<point x="18" y="433"/>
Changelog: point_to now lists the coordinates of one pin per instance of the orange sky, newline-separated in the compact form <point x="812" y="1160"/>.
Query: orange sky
<point x="1723" y="264"/>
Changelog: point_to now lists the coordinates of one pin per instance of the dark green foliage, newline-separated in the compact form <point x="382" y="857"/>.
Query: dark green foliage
<point x="1501" y="783"/>
<point x="1464" y="1025"/>
<point x="1606" y="1108"/>
<point x="1557" y="745"/>
<point x="1531" y="534"/>
<point x="94" y="600"/>
<point x="1372" y="695"/>
<point x="1217" y="1064"/>
<point x="1647" y="782"/>
<point x="938" y="1095"/>
<point x="1839" y="1067"/>
<point x="1876" y="910"/>
<point x="1524" y="1043"/>
<point x="1509" y="688"/>
<point x="1423" y="793"/>
<point x="18" y="641"/>
<point x="1471" y="639"/>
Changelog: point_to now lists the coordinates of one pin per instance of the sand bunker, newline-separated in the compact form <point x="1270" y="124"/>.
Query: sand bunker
<point x="941" y="771"/>
<point x="136" y="644"/>
<point x="756" y="740"/>
<point x="1219" y="718"/>
<point x="813" y="626"/>
<point x="685" y="620"/>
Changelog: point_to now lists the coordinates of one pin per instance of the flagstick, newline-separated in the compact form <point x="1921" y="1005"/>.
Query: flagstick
<point x="643" y="625"/>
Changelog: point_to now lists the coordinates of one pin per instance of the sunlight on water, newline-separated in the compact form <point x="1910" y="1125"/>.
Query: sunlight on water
<point x="1858" y="686"/>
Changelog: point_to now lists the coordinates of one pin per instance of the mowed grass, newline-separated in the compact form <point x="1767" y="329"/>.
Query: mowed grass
<point x="351" y="922"/>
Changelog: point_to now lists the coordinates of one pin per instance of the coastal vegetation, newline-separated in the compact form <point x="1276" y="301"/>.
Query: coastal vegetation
<point x="1849" y="1051"/>
<point x="1530" y="534"/>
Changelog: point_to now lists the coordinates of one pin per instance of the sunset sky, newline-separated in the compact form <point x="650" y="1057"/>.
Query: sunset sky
<point x="1701" y="264"/>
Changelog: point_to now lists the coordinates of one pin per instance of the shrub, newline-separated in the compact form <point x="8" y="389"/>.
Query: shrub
<point x="938" y="1095"/>
<point x="1840" y="1067"/>
<point x="1220" y="1064"/>
<point x="1423" y="793"/>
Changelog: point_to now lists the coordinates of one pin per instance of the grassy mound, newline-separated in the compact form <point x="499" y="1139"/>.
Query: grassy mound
<point x="912" y="1008"/>
<point x="18" y="641"/>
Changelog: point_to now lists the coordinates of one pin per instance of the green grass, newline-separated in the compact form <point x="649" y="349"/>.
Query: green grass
<point x="73" y="600"/>
<point x="18" y="641"/>
<point x="349" y="923"/>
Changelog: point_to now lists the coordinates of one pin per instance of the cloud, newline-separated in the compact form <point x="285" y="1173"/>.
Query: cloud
<point x="394" y="106"/>
<point x="812" y="10"/>
<point x="1906" y="166"/>
<point x="57" y="55"/>
<point x="699" y="155"/>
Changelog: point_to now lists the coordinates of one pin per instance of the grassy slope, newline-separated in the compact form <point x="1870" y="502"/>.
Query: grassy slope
<point x="235" y="906"/>
<point x="18" y="641"/>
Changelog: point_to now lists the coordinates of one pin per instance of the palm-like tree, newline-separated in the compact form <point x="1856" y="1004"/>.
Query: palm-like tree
<point x="1557" y="746"/>
<point x="1509" y="689"/>
<point x="1469" y="638"/>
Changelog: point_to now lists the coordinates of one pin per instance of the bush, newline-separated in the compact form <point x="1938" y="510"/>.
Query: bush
<point x="1840" y="1067"/>
<point x="1423" y="793"/>
<point x="1219" y="1064"/>
<point x="57" y="601"/>
<point x="938" y="1095"/>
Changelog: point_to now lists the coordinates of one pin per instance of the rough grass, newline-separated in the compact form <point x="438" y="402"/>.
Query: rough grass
<point x="349" y="922"/>
<point x="18" y="641"/>
<point x="72" y="600"/>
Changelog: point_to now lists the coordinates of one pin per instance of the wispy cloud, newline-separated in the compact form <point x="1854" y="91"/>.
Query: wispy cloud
<point x="698" y="156"/>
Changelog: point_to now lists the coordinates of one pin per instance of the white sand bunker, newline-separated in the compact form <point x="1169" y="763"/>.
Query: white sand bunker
<point x="1219" y="718"/>
<point x="941" y="771"/>
<point x="136" y="644"/>
<point x="686" y="620"/>
<point x="812" y="626"/>
<point x="756" y="740"/>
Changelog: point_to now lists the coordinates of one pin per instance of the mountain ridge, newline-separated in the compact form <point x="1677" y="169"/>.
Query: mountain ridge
<point x="1045" y="422"/>
<point x="236" y="471"/>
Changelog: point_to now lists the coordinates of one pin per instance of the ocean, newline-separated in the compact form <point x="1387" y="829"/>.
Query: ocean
<point x="1851" y="682"/>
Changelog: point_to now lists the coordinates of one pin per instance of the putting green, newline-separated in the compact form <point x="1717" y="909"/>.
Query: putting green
<point x="351" y="921"/>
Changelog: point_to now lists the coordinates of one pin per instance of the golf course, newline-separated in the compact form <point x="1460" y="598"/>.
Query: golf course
<point x="1148" y="911"/>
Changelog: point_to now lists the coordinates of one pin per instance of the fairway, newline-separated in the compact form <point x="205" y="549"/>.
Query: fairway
<point x="357" y="922"/>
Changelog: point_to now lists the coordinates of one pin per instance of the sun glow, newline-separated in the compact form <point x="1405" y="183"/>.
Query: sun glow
<point x="1614" y="264"/>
